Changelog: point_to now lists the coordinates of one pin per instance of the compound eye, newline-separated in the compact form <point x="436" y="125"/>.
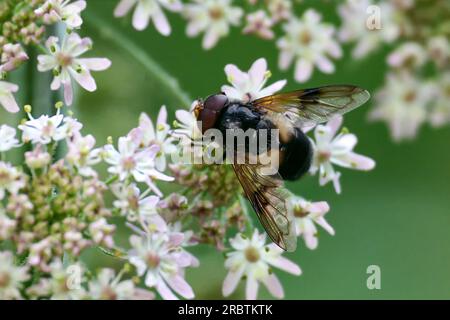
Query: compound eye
<point x="216" y="102"/>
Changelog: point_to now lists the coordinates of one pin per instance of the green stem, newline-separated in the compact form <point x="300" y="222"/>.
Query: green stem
<point x="248" y="219"/>
<point x="110" y="33"/>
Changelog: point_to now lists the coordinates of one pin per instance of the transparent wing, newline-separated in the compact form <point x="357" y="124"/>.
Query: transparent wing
<point x="312" y="106"/>
<point x="268" y="199"/>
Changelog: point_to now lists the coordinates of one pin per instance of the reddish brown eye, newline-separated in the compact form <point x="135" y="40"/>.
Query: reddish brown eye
<point x="211" y="110"/>
<point x="216" y="102"/>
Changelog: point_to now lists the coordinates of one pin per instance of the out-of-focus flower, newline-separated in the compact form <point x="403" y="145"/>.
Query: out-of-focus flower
<point x="82" y="154"/>
<point x="147" y="10"/>
<point x="11" y="277"/>
<point x="12" y="57"/>
<point x="331" y="147"/>
<point x="249" y="86"/>
<point x="102" y="232"/>
<point x="139" y="163"/>
<point x="53" y="11"/>
<point x="107" y="286"/>
<point x="409" y="55"/>
<point x="65" y="62"/>
<point x="355" y="28"/>
<point x="7" y="99"/>
<point x="260" y="24"/>
<point x="7" y="138"/>
<point x="63" y="283"/>
<point x="307" y="214"/>
<point x="439" y="50"/>
<point x="156" y="256"/>
<point x="402" y="103"/>
<point x="440" y="110"/>
<point x="253" y="259"/>
<point x="145" y="135"/>
<point x="44" y="129"/>
<point x="37" y="158"/>
<point x="309" y="43"/>
<point x="213" y="17"/>
<point x="279" y="9"/>
<point x="11" y="179"/>
<point x="7" y="226"/>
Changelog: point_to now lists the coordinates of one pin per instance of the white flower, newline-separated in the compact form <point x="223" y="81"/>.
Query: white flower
<point x="102" y="232"/>
<point x="279" y="9"/>
<point x="44" y="129"/>
<point x="157" y="256"/>
<point x="408" y="55"/>
<point x="330" y="149"/>
<point x="66" y="64"/>
<point x="82" y="154"/>
<point x="355" y="25"/>
<point x="253" y="259"/>
<point x="11" y="179"/>
<point x="37" y="158"/>
<point x="139" y="163"/>
<point x="12" y="57"/>
<point x="440" y="111"/>
<point x="146" y="134"/>
<point x="53" y="11"/>
<point x="402" y="103"/>
<point x="186" y="124"/>
<point x="7" y="226"/>
<point x="249" y="86"/>
<point x="260" y="24"/>
<point x="135" y="206"/>
<point x="7" y="138"/>
<point x="63" y="284"/>
<point x="213" y="17"/>
<point x="439" y="50"/>
<point x="310" y="43"/>
<point x="11" y="277"/>
<point x="6" y="96"/>
<point x="107" y="286"/>
<point x="307" y="214"/>
<point x="147" y="10"/>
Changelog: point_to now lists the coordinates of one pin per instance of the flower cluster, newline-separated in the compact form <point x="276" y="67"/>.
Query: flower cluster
<point x="25" y="23"/>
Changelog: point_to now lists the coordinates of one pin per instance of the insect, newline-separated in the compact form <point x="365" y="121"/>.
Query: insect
<point x="289" y="113"/>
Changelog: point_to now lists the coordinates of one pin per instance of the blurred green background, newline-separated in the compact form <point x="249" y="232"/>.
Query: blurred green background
<point x="396" y="217"/>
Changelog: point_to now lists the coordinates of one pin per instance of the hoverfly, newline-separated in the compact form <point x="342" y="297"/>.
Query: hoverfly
<point x="289" y="113"/>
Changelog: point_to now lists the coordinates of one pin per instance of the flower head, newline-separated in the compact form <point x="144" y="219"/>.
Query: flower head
<point x="253" y="259"/>
<point x="213" y="17"/>
<point x="7" y="138"/>
<point x="306" y="215"/>
<point x="249" y="86"/>
<point x="146" y="135"/>
<point x="44" y="129"/>
<point x="66" y="64"/>
<point x="53" y="11"/>
<point x="7" y="99"/>
<point x="310" y="43"/>
<point x="331" y="147"/>
<point x="12" y="57"/>
<point x="356" y="28"/>
<point x="130" y="160"/>
<point x="402" y="103"/>
<point x="260" y="24"/>
<point x="157" y="256"/>
<point x="11" y="179"/>
<point x="147" y="10"/>
<point x="82" y="154"/>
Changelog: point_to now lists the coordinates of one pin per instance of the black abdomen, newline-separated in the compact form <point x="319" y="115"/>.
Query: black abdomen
<point x="297" y="156"/>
